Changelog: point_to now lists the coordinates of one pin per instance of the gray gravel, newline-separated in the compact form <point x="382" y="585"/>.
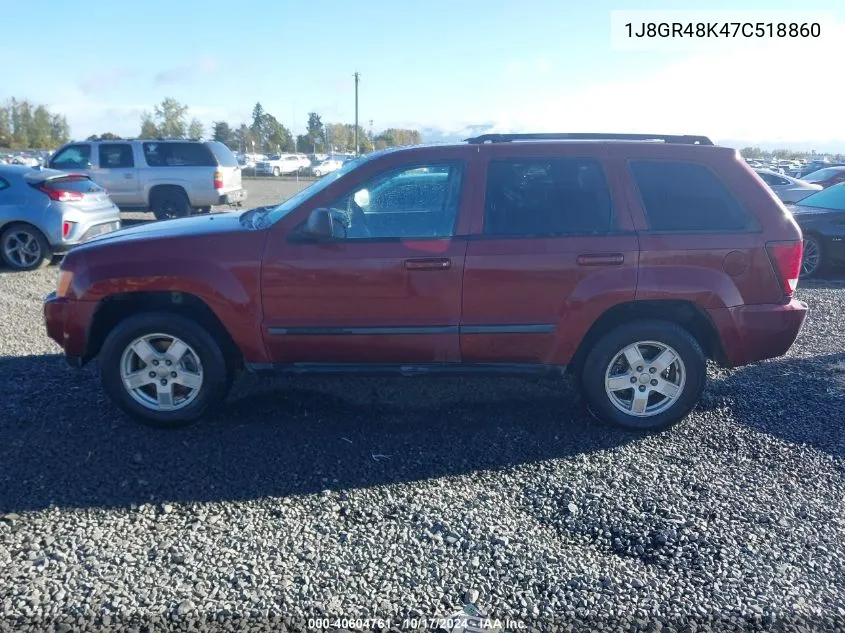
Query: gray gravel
<point x="394" y="499"/>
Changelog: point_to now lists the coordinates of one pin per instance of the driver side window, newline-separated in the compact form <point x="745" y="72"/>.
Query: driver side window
<point x="414" y="202"/>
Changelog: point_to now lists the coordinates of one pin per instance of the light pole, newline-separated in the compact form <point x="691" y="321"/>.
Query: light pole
<point x="357" y="79"/>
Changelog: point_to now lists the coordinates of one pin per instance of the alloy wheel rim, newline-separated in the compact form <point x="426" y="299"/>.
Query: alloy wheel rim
<point x="22" y="248"/>
<point x="811" y="258"/>
<point x="161" y="372"/>
<point x="645" y="379"/>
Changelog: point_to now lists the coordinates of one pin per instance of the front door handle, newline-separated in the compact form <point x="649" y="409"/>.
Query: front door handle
<point x="429" y="263"/>
<point x="127" y="176"/>
<point x="601" y="259"/>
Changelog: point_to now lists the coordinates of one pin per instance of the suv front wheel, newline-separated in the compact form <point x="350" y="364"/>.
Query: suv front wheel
<point x="644" y="375"/>
<point x="163" y="370"/>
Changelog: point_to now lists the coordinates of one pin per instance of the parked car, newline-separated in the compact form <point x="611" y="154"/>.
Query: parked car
<point x="326" y="167"/>
<point x="278" y="165"/>
<point x="44" y="213"/>
<point x="821" y="217"/>
<point x="827" y="176"/>
<point x="787" y="188"/>
<point x="171" y="178"/>
<point x="627" y="264"/>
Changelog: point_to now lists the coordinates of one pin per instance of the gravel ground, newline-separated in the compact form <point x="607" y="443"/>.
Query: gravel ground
<point x="394" y="499"/>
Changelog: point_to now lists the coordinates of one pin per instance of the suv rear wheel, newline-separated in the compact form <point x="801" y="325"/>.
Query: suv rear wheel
<point x="170" y="202"/>
<point x="644" y="375"/>
<point x="163" y="370"/>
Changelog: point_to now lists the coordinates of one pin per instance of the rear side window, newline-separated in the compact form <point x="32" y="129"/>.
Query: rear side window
<point x="178" y="155"/>
<point x="547" y="197"/>
<point x="78" y="184"/>
<point x="224" y="156"/>
<point x="116" y="156"/>
<point x="682" y="196"/>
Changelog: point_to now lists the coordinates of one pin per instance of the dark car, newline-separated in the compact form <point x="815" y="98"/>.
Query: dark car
<point x="827" y="176"/>
<point x="627" y="264"/>
<point x="821" y="217"/>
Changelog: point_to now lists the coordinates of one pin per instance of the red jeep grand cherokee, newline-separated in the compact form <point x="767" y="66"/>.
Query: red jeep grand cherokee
<point x="626" y="259"/>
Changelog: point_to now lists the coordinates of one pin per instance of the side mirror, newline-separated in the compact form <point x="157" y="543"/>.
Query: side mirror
<point x="320" y="226"/>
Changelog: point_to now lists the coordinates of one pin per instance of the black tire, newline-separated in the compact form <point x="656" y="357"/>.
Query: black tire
<point x="217" y="375"/>
<point x="204" y="210"/>
<point x="820" y="267"/>
<point x="170" y="202"/>
<point x="40" y="259"/>
<point x="612" y="344"/>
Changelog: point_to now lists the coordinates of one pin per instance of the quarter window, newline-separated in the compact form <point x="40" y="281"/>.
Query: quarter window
<point x="684" y="196"/>
<point x="547" y="197"/>
<point x="116" y="156"/>
<point x="3" y="184"/>
<point x="417" y="202"/>
<point x="178" y="155"/>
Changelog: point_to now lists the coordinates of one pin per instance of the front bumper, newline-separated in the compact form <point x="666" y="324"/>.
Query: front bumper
<point x="752" y="333"/>
<point x="67" y="324"/>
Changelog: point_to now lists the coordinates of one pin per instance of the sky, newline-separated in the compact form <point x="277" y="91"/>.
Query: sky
<point x="437" y="65"/>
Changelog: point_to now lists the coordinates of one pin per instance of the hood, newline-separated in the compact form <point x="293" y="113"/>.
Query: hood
<point x="194" y="226"/>
<point x="799" y="210"/>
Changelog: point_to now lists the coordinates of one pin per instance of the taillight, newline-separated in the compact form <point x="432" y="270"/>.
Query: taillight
<point x="60" y="195"/>
<point x="218" y="180"/>
<point x="786" y="259"/>
<point x="67" y="227"/>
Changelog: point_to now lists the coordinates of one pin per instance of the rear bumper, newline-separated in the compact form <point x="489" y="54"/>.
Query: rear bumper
<point x="67" y="323"/>
<point x="89" y="231"/>
<point x="753" y="333"/>
<point x="233" y="197"/>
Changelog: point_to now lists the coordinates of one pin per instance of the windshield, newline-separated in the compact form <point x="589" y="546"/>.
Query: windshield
<point x="274" y="214"/>
<point x="822" y="174"/>
<point x="832" y="198"/>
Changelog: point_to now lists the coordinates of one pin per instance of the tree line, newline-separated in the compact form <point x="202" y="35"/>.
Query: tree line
<point x="781" y="154"/>
<point x="264" y="133"/>
<point x="27" y="125"/>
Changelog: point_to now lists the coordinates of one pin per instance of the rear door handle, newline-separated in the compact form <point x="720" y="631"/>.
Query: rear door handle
<point x="601" y="259"/>
<point x="429" y="263"/>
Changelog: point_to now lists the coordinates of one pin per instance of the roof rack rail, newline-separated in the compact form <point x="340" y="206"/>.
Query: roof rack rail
<point x="682" y="139"/>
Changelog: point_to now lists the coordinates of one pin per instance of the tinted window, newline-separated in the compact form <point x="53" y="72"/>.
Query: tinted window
<point x="414" y="202"/>
<point x="72" y="157"/>
<point x="224" y="156"/>
<point x="771" y="179"/>
<point x="831" y="198"/>
<point x="686" y="197"/>
<point x="822" y="174"/>
<point x="178" y="155"/>
<point x="116" y="155"/>
<point x="73" y="183"/>
<point x="3" y="184"/>
<point x="564" y="196"/>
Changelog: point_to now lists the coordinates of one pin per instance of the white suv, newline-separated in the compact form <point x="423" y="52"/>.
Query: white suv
<point x="170" y="178"/>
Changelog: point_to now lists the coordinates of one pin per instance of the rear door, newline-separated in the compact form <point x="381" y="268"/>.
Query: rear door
<point x="553" y="248"/>
<point x="116" y="171"/>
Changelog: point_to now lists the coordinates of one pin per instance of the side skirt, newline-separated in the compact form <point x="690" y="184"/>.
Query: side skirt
<point x="425" y="369"/>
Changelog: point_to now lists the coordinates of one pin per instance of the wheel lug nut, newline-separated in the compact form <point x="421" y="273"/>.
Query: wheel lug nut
<point x="633" y="379"/>
<point x="640" y="368"/>
<point x="642" y="387"/>
<point x="653" y="383"/>
<point x="152" y="374"/>
<point x="652" y="370"/>
<point x="164" y="381"/>
<point x="155" y="363"/>
<point x="167" y="362"/>
<point x="173" y="374"/>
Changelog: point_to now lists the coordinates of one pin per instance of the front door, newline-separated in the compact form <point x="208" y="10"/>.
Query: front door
<point x="388" y="290"/>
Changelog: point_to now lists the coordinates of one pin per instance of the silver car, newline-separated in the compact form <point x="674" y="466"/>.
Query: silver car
<point x="787" y="188"/>
<point x="44" y="212"/>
